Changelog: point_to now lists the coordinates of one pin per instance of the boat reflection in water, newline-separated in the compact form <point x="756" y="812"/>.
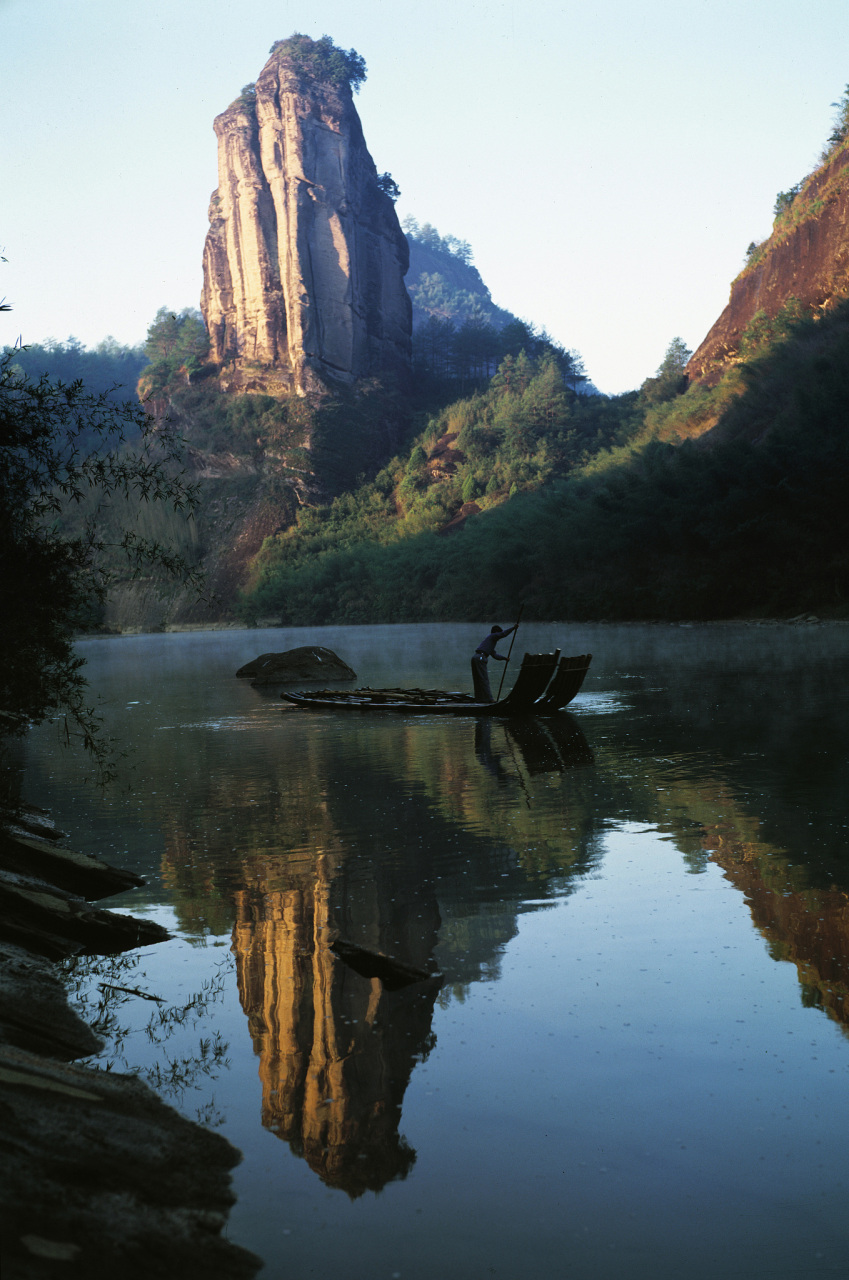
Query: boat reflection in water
<point x="336" y="1047"/>
<point x="646" y="954"/>
<point x="540" y="746"/>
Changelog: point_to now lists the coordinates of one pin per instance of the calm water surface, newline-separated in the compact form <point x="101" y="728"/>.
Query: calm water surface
<point x="637" y="1064"/>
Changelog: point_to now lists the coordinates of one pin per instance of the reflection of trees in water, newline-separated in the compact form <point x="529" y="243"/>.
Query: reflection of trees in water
<point x="807" y="926"/>
<point x="801" y="921"/>
<point x="433" y="834"/>
<point x="336" y="1049"/>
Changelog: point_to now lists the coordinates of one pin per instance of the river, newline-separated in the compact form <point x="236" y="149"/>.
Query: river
<point x="637" y="1062"/>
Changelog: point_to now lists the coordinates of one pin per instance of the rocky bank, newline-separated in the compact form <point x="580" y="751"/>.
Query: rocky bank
<point x="100" y="1176"/>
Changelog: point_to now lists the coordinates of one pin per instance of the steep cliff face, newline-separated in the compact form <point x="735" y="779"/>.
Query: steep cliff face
<point x="304" y="262"/>
<point x="806" y="258"/>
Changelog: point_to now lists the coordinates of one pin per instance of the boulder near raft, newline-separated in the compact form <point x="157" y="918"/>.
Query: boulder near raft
<point x="309" y="662"/>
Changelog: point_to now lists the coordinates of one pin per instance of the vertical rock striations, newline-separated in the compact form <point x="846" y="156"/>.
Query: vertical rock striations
<point x="336" y="1049"/>
<point x="304" y="262"/>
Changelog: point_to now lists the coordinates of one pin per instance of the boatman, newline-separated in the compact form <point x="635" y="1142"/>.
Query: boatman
<point x="486" y="650"/>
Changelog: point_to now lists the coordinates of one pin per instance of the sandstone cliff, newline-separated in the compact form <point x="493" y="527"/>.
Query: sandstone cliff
<point x="806" y="258"/>
<point x="304" y="261"/>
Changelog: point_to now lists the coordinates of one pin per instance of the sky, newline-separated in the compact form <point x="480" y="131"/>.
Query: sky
<point x="608" y="161"/>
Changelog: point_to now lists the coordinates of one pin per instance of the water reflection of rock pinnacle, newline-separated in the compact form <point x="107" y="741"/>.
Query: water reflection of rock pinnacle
<point x="336" y="1049"/>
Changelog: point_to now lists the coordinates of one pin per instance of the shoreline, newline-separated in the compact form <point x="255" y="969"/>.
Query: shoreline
<point x="101" y="1175"/>
<point x="273" y="624"/>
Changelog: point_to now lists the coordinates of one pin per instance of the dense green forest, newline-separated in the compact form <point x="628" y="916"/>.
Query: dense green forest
<point x="110" y="368"/>
<point x="95" y="380"/>
<point x="673" y="502"/>
<point x="459" y="334"/>
<point x="443" y="282"/>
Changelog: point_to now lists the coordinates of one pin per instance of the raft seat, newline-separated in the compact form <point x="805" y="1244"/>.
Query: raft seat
<point x="534" y="675"/>
<point x="566" y="683"/>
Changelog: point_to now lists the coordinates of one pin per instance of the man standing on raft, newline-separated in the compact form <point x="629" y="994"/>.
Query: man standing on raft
<point x="485" y="651"/>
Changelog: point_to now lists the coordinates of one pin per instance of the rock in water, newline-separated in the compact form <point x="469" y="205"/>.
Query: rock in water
<point x="309" y="662"/>
<point x="305" y="260"/>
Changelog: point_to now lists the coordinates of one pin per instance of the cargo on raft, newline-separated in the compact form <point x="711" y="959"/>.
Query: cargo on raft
<point x="546" y="683"/>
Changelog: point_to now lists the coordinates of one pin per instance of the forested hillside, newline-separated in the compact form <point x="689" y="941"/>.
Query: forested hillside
<point x="459" y="334"/>
<point x="494" y="480"/>
<point x="702" y="503"/>
<point x="109" y="367"/>
<point x="800" y="268"/>
<point x="444" y="283"/>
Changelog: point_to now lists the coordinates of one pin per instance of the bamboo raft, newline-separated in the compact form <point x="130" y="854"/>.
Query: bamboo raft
<point x="546" y="683"/>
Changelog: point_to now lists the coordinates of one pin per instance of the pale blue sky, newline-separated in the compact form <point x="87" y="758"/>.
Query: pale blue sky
<point x="609" y="162"/>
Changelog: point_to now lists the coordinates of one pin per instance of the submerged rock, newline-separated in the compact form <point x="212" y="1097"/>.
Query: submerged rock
<point x="52" y="922"/>
<point x="308" y="662"/>
<point x="79" y="873"/>
<point x="393" y="973"/>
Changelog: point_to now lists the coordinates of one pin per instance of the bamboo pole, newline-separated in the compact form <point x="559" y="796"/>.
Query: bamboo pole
<point x="509" y="651"/>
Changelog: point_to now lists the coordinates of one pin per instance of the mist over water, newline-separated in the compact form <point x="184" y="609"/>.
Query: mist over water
<point x="637" y="1060"/>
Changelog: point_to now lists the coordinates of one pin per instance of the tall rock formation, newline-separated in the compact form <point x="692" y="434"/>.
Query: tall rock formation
<point x="806" y="258"/>
<point x="304" y="262"/>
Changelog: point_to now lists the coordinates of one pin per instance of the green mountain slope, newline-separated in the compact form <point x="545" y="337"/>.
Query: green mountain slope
<point x="443" y="283"/>
<point x="746" y="519"/>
